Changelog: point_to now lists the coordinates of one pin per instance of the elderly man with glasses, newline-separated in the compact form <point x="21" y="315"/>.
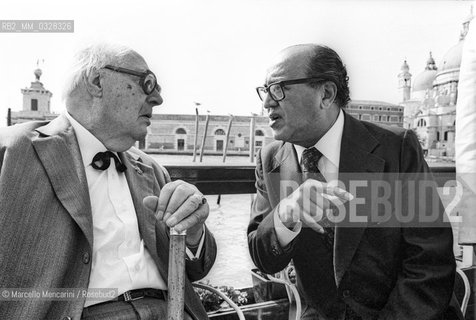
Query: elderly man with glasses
<point x="85" y="215"/>
<point x="354" y="258"/>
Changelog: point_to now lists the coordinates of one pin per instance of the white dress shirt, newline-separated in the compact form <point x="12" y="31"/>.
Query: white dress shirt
<point x="329" y="146"/>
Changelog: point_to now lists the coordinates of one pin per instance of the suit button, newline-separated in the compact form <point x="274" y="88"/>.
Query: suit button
<point x="346" y="293"/>
<point x="86" y="258"/>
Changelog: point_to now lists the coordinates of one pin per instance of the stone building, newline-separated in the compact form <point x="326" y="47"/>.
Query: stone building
<point x="176" y="133"/>
<point x="377" y="112"/>
<point x="430" y="104"/>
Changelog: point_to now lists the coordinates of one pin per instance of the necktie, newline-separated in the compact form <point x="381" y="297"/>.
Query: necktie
<point x="310" y="159"/>
<point x="102" y="160"/>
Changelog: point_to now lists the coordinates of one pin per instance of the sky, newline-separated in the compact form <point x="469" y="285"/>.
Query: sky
<point x="216" y="52"/>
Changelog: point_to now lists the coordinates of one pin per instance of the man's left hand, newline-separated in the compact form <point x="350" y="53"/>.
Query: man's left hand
<point x="182" y="206"/>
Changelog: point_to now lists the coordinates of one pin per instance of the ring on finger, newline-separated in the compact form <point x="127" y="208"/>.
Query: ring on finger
<point x="200" y="198"/>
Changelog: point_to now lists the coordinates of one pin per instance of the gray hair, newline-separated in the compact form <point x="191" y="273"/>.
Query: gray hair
<point x="91" y="58"/>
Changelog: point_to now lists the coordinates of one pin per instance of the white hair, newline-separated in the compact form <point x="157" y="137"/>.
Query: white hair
<point x="93" y="57"/>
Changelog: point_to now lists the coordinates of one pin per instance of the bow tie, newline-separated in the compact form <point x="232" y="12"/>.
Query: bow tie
<point x="102" y="160"/>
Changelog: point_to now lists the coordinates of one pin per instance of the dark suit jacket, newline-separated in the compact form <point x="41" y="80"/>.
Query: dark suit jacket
<point x="381" y="272"/>
<point x="46" y="232"/>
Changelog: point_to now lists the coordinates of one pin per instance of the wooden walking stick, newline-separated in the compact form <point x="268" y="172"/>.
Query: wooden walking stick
<point x="176" y="278"/>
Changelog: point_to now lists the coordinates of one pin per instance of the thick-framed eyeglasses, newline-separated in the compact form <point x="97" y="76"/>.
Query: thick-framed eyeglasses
<point x="276" y="89"/>
<point x="148" y="80"/>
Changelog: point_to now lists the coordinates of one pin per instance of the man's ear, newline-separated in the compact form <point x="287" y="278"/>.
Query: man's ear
<point x="93" y="83"/>
<point x="329" y="93"/>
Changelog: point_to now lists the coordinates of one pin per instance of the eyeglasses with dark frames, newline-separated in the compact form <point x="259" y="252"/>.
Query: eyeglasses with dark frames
<point x="148" y="80"/>
<point x="276" y="89"/>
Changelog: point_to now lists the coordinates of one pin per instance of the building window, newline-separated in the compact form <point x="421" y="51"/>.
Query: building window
<point x="445" y="136"/>
<point x="376" y="118"/>
<point x="384" y="119"/>
<point x="180" y="131"/>
<point x="437" y="136"/>
<point x="259" y="133"/>
<point x="259" y="143"/>
<point x="219" y="132"/>
<point x="180" y="144"/>
<point x="366" y="117"/>
<point x="393" y="119"/>
<point x="219" y="145"/>
<point x="34" y="104"/>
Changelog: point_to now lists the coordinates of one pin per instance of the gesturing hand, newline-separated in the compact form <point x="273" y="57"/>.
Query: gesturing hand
<point x="309" y="202"/>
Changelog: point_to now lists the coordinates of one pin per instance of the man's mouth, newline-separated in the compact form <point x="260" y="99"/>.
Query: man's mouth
<point x="273" y="119"/>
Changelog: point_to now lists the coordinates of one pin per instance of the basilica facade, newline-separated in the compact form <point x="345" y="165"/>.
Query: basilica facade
<point x="429" y="100"/>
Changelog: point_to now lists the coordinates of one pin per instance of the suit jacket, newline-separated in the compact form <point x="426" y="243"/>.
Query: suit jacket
<point x="46" y="232"/>
<point x="379" y="271"/>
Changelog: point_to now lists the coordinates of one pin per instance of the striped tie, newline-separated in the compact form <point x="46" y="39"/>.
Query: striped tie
<point x="310" y="159"/>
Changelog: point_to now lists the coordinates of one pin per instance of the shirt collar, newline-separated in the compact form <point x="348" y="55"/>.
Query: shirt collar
<point x="89" y="145"/>
<point x="329" y="144"/>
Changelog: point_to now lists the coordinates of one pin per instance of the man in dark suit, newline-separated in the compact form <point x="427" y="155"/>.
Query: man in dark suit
<point x="81" y="208"/>
<point x="366" y="267"/>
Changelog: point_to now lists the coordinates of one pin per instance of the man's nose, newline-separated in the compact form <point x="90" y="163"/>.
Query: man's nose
<point x="269" y="102"/>
<point x="155" y="98"/>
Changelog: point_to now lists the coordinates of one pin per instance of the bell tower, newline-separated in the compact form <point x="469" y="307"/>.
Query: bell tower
<point x="405" y="81"/>
<point x="36" y="98"/>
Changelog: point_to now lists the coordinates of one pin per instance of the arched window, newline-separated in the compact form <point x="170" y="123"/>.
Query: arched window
<point x="219" y="132"/>
<point x="259" y="133"/>
<point x="421" y="123"/>
<point x="180" y="131"/>
<point x="445" y="136"/>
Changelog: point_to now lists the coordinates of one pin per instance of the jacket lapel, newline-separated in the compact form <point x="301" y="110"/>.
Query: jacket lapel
<point x="58" y="150"/>
<point x="285" y="173"/>
<point x="140" y="178"/>
<point x="356" y="159"/>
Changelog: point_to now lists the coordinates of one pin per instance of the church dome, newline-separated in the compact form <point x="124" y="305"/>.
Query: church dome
<point x="452" y="58"/>
<point x="425" y="79"/>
